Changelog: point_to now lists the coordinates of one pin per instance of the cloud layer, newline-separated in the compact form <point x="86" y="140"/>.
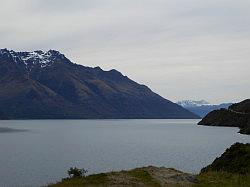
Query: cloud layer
<point x="182" y="49"/>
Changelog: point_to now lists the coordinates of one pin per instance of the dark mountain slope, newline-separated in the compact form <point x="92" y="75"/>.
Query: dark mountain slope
<point x="237" y="115"/>
<point x="39" y="85"/>
<point x="2" y="116"/>
<point x="242" y="107"/>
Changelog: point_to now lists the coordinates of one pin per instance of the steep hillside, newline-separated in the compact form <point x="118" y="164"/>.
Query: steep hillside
<point x="47" y="85"/>
<point x="242" y="107"/>
<point x="235" y="159"/>
<point x="237" y="115"/>
<point x="2" y="116"/>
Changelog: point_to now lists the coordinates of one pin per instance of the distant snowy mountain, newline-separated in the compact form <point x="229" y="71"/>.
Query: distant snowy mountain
<point x="202" y="107"/>
<point x="191" y="103"/>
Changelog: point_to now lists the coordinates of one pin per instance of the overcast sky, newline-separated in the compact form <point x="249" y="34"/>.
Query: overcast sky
<point x="181" y="49"/>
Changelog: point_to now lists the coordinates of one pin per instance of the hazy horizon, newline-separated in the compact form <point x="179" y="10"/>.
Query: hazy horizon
<point x="181" y="50"/>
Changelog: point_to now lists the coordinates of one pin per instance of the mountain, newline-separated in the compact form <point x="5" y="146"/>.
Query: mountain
<point x="2" y="116"/>
<point x="47" y="85"/>
<point x="202" y="107"/>
<point x="237" y="115"/>
<point x="191" y="103"/>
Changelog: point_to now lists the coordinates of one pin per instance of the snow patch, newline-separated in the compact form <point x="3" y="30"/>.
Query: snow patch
<point x="191" y="103"/>
<point x="37" y="57"/>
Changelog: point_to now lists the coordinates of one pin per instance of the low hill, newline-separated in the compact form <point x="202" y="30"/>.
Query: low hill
<point x="145" y="177"/>
<point x="237" y="115"/>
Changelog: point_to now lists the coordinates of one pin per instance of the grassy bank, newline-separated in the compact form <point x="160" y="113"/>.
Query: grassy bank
<point x="146" y="176"/>
<point x="139" y="177"/>
<point x="222" y="179"/>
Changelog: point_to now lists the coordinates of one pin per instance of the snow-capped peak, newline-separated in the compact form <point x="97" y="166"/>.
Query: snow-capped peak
<point x="34" y="58"/>
<point x="191" y="103"/>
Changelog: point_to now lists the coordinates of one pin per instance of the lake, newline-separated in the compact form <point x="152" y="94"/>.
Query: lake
<point x="38" y="152"/>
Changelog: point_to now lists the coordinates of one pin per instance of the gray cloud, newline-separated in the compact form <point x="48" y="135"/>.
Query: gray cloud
<point x="181" y="49"/>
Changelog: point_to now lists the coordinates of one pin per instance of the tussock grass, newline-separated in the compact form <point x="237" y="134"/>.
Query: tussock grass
<point x="222" y="179"/>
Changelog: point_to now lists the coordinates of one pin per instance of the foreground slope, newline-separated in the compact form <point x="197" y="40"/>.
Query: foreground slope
<point x="237" y="115"/>
<point x="231" y="169"/>
<point x="145" y="177"/>
<point x="235" y="159"/>
<point x="47" y="85"/>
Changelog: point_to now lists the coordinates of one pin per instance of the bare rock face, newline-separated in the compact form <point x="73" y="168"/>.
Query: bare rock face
<point x="47" y="85"/>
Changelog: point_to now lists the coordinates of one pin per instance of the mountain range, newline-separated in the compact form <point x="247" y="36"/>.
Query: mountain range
<point x="202" y="107"/>
<point x="47" y="85"/>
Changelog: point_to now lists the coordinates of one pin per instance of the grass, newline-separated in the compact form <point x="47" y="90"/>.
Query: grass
<point x="144" y="177"/>
<point x="207" y="179"/>
<point x="138" y="176"/>
<point x="222" y="179"/>
<point x="91" y="180"/>
<point x="236" y="160"/>
<point x="135" y="176"/>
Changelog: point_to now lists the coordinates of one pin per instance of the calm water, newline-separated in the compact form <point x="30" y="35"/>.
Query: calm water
<point x="40" y="152"/>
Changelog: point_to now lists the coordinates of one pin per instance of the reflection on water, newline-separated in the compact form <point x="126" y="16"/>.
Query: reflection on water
<point x="8" y="130"/>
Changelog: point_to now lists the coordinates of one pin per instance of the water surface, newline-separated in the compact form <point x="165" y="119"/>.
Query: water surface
<point x="43" y="152"/>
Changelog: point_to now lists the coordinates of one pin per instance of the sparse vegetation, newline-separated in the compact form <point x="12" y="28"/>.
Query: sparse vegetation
<point x="235" y="160"/>
<point x="91" y="180"/>
<point x="232" y="169"/>
<point x="144" y="177"/>
<point x="222" y="179"/>
<point x="76" y="172"/>
<point x="147" y="176"/>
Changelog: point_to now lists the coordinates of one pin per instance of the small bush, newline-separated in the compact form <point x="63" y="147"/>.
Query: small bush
<point x="76" y="172"/>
